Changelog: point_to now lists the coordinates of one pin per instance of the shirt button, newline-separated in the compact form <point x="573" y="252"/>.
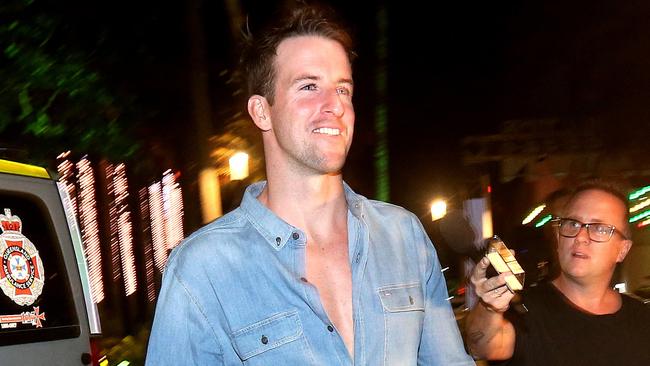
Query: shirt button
<point x="295" y="236"/>
<point x="330" y="328"/>
<point x="303" y="279"/>
<point x="278" y="240"/>
<point x="264" y="340"/>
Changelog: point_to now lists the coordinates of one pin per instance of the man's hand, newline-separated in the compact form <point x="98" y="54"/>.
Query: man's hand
<point x="492" y="292"/>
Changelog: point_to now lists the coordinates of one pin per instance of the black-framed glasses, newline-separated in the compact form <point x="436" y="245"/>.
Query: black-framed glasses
<point x="598" y="231"/>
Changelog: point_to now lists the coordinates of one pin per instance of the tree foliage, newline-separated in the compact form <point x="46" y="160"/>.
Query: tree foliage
<point x="51" y="99"/>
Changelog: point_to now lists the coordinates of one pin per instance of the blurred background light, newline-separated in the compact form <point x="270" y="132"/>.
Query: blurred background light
<point x="544" y="220"/>
<point x="533" y="214"/>
<point x="438" y="209"/>
<point x="238" y="166"/>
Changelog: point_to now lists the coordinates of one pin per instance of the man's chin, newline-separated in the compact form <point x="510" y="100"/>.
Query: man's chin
<point x="331" y="166"/>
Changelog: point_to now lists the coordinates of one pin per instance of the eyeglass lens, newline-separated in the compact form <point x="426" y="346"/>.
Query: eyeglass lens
<point x="596" y="231"/>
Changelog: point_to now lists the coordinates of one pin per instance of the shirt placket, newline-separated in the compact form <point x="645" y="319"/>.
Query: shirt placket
<point x="358" y="241"/>
<point x="312" y="298"/>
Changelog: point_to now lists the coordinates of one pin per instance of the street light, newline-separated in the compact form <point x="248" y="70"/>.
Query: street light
<point x="238" y="166"/>
<point x="438" y="209"/>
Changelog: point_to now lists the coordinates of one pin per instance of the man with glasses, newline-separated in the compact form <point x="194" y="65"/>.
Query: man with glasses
<point x="577" y="318"/>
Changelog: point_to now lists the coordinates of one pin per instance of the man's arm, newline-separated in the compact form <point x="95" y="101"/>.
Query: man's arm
<point x="181" y="334"/>
<point x="441" y="342"/>
<point x="489" y="335"/>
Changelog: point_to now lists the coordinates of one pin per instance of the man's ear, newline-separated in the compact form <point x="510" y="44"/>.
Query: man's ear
<point x="258" y="109"/>
<point x="625" y="247"/>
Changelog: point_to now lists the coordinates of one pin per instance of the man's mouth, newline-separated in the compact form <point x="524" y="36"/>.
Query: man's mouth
<point x="328" y="131"/>
<point x="580" y="255"/>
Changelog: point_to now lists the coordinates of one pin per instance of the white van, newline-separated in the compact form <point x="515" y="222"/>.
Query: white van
<point x="46" y="311"/>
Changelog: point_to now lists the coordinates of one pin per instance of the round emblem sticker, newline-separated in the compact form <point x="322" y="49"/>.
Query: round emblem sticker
<point x="21" y="272"/>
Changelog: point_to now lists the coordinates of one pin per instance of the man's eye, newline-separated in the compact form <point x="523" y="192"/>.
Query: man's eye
<point x="344" y="91"/>
<point x="575" y="224"/>
<point x="603" y="229"/>
<point x="309" y="87"/>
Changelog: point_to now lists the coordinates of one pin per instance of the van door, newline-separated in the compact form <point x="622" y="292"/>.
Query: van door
<point x="43" y="316"/>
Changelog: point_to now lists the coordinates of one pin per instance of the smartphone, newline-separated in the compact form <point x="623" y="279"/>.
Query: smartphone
<point x="503" y="260"/>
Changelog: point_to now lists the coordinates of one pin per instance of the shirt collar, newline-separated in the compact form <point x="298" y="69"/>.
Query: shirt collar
<point x="275" y="230"/>
<point x="355" y="201"/>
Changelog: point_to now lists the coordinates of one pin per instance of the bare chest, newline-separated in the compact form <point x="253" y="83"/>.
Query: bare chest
<point x="328" y="269"/>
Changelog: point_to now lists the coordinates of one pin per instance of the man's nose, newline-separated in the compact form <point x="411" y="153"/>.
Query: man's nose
<point x="583" y="235"/>
<point x="333" y="103"/>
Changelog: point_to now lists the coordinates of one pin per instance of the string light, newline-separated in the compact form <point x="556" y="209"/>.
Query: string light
<point x="161" y="209"/>
<point x="121" y="227"/>
<point x="66" y="176"/>
<point x="157" y="225"/>
<point x="149" y="269"/>
<point x="89" y="228"/>
<point x="166" y="213"/>
<point x="173" y="209"/>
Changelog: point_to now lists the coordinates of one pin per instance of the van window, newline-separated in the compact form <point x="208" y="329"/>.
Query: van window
<point x="35" y="297"/>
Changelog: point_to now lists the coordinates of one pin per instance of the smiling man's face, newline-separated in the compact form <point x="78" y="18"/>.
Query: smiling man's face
<point x="312" y="117"/>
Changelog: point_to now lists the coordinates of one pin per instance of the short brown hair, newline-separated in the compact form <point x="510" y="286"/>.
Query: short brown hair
<point x="258" y="57"/>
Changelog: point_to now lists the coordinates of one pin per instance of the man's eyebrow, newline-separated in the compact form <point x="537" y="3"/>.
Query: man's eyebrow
<point x="307" y="77"/>
<point x="590" y="221"/>
<point x="302" y="78"/>
<point x="346" y="81"/>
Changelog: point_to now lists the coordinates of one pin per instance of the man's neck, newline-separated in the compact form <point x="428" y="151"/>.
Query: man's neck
<point x="594" y="297"/>
<point x="311" y="202"/>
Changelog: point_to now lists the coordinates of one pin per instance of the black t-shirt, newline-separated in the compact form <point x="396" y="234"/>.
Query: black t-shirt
<point x="556" y="332"/>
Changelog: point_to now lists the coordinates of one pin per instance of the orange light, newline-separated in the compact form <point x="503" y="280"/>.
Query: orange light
<point x="438" y="209"/>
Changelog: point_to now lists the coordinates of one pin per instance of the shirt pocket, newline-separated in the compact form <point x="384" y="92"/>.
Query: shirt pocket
<point x="267" y="334"/>
<point x="403" y="313"/>
<point x="401" y="298"/>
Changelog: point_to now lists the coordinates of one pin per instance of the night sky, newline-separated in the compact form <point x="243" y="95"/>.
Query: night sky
<point x="454" y="69"/>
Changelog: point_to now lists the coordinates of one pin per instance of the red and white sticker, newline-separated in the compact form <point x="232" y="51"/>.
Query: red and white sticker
<point x="28" y="317"/>
<point x="21" y="270"/>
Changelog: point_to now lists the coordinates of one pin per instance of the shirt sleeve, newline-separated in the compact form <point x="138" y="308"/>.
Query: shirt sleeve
<point x="441" y="342"/>
<point x="181" y="333"/>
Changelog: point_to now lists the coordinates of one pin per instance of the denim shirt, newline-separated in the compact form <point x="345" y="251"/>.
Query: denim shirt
<point x="235" y="293"/>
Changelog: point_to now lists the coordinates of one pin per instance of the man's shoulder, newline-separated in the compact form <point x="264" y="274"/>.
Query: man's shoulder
<point x="637" y="305"/>
<point x="228" y="224"/>
<point x="386" y="209"/>
<point x="232" y="221"/>
<point x="212" y="237"/>
<point x="381" y="207"/>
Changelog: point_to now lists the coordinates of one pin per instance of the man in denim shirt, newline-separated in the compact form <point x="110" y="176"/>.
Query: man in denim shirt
<point x="305" y="271"/>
